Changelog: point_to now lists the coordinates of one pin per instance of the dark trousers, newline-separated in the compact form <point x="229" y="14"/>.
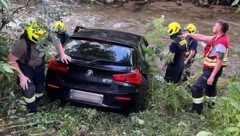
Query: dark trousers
<point x="201" y="84"/>
<point x="174" y="73"/>
<point x="36" y="88"/>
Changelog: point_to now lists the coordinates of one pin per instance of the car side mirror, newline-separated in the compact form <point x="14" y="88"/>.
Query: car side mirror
<point x="79" y="28"/>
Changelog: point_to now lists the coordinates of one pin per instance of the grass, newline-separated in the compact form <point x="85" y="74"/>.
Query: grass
<point x="164" y="116"/>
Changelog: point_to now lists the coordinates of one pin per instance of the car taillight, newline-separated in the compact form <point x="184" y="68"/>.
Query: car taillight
<point x="58" y="66"/>
<point x="53" y="86"/>
<point x="133" y="77"/>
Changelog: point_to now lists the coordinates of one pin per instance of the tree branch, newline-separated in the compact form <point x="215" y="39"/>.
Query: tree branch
<point x="5" y="20"/>
<point x="26" y="5"/>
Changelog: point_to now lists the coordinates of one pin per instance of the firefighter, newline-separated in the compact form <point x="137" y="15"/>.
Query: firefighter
<point x="177" y="48"/>
<point x="191" y="50"/>
<point x="60" y="30"/>
<point x="25" y="58"/>
<point x="215" y="59"/>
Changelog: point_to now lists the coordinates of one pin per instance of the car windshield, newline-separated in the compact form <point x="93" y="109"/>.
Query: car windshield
<point x="98" y="52"/>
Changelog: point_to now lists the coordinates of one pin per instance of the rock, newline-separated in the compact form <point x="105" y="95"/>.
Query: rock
<point x="109" y="1"/>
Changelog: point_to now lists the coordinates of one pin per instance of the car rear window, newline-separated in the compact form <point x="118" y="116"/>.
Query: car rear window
<point x="92" y="50"/>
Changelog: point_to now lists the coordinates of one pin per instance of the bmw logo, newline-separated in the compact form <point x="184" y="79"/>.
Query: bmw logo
<point x="89" y="73"/>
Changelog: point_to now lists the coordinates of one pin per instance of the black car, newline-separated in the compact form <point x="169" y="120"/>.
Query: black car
<point x="108" y="69"/>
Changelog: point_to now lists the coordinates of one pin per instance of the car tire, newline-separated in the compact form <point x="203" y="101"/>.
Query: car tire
<point x="55" y="99"/>
<point x="140" y="102"/>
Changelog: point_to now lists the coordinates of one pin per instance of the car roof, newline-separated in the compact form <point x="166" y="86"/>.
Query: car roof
<point x="114" y="36"/>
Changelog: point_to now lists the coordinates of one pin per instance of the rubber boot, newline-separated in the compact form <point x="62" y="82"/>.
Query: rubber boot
<point x="210" y="105"/>
<point x="32" y="107"/>
<point x="38" y="100"/>
<point x="196" y="108"/>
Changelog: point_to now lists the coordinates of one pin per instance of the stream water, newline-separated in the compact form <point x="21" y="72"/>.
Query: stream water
<point x="136" y="18"/>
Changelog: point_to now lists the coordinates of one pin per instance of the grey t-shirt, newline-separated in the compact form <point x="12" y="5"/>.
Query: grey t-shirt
<point x="218" y="48"/>
<point x="19" y="50"/>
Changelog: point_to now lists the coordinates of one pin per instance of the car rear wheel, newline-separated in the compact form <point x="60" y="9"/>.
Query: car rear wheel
<point x="56" y="100"/>
<point x="140" y="102"/>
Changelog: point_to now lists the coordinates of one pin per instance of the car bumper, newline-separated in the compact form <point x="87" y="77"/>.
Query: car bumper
<point x="110" y="99"/>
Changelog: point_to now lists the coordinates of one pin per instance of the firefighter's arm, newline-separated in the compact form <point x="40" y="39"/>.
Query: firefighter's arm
<point x="199" y="37"/>
<point x="12" y="60"/>
<point x="190" y="56"/>
<point x="220" y="57"/>
<point x="64" y="57"/>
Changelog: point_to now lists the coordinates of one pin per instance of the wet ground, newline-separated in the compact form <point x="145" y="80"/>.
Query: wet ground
<point x="137" y="18"/>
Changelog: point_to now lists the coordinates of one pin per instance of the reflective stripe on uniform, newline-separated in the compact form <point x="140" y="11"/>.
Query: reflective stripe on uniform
<point x="210" y="99"/>
<point x="183" y="42"/>
<point x="38" y="95"/>
<point x="29" y="100"/>
<point x="198" y="100"/>
<point x="209" y="62"/>
<point x="212" y="62"/>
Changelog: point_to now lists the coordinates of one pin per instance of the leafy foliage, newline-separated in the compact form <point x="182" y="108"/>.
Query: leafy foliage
<point x="156" y="50"/>
<point x="238" y="10"/>
<point x="5" y="39"/>
<point x="6" y="72"/>
<point x="154" y="36"/>
<point x="228" y="110"/>
<point x="235" y="2"/>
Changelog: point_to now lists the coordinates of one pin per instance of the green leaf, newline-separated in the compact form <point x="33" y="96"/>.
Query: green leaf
<point x="233" y="129"/>
<point x="12" y="94"/>
<point x="41" y="49"/>
<point x="238" y="11"/>
<point x="7" y="68"/>
<point x="235" y="3"/>
<point x="22" y="102"/>
<point x="10" y="18"/>
<point x="238" y="117"/>
<point x="13" y="116"/>
<point x="41" y="54"/>
<point x="140" y="121"/>
<point x="235" y="104"/>
<point x="5" y="4"/>
<point x="238" y="125"/>
<point x="1" y="69"/>
<point x="204" y="133"/>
